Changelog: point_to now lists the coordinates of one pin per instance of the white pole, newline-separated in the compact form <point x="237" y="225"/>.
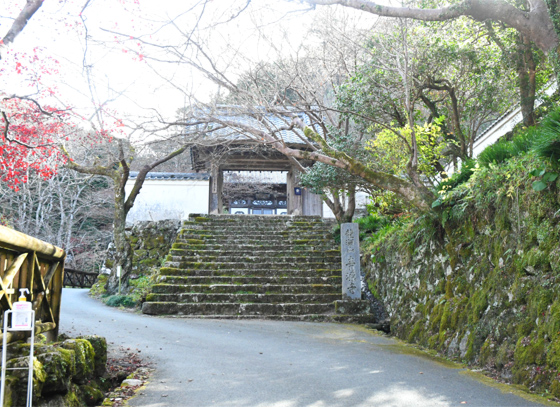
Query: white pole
<point x="4" y="346"/>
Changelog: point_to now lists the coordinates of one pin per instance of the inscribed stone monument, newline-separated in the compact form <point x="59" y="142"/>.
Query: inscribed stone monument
<point x="350" y="251"/>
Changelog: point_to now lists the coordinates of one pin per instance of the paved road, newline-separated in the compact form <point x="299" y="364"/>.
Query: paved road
<point x="275" y="364"/>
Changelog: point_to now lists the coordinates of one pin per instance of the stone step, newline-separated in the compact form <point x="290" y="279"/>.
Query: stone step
<point x="278" y="258"/>
<point x="244" y="298"/>
<point x="354" y="319"/>
<point x="243" y="280"/>
<point x="274" y="267"/>
<point x="254" y="252"/>
<point x="254" y="239"/>
<point x="257" y="229"/>
<point x="163" y="308"/>
<point x="252" y="218"/>
<point x="277" y="224"/>
<point x="251" y="267"/>
<point x="250" y="288"/>
<point x="257" y="272"/>
<point x="261" y="227"/>
<point x="243" y="247"/>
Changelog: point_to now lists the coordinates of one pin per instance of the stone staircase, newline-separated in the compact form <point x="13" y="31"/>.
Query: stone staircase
<point x="274" y="267"/>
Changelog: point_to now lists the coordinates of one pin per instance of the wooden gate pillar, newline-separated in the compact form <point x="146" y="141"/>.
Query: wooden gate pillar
<point x="216" y="186"/>
<point x="295" y="202"/>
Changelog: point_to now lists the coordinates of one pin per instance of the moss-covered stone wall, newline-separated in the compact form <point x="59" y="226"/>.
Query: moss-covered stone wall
<point x="150" y="243"/>
<point x="485" y="288"/>
<point x="65" y="373"/>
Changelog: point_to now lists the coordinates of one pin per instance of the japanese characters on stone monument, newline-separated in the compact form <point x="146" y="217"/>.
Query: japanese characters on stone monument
<point x="350" y="251"/>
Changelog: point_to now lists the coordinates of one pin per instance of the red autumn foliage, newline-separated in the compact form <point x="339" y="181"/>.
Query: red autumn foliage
<point x="29" y="141"/>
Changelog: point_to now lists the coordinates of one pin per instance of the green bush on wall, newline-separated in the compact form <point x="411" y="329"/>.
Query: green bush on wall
<point x="120" y="300"/>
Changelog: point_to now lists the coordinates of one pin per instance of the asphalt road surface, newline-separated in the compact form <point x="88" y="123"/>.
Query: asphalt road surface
<point x="275" y="364"/>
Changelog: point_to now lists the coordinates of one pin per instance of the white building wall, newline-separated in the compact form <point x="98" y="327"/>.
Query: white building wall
<point x="168" y="199"/>
<point x="361" y="201"/>
<point x="505" y="124"/>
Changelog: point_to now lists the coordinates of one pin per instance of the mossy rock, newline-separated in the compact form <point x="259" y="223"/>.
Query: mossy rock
<point x="12" y="385"/>
<point x="528" y="351"/>
<point x="151" y="262"/>
<point x="99" y="344"/>
<point x="72" y="398"/>
<point x="84" y="358"/>
<point x="59" y="367"/>
<point x="98" y="288"/>
<point x="91" y="395"/>
<point x="39" y="377"/>
<point x="555" y="388"/>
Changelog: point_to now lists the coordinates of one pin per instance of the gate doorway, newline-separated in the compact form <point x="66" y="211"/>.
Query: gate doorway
<point x="255" y="192"/>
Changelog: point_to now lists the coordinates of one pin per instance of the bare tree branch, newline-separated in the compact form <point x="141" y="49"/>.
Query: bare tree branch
<point x="536" y="23"/>
<point x="20" y="22"/>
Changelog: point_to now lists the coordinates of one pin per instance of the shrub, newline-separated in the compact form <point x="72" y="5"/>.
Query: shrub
<point x="370" y="224"/>
<point x="496" y="153"/>
<point x="460" y="177"/>
<point x="547" y="144"/>
<point x="120" y="300"/>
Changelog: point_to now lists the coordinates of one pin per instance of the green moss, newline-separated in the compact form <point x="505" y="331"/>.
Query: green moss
<point x="98" y="288"/>
<point x="99" y="345"/>
<point x="91" y="395"/>
<point x="478" y="305"/>
<point x="486" y="351"/>
<point x="59" y="367"/>
<point x="448" y="288"/>
<point x="195" y="241"/>
<point x="446" y="318"/>
<point x="72" y="399"/>
<point x="201" y="219"/>
<point x="555" y="388"/>
<point x="413" y="336"/>
<point x="470" y="354"/>
<point x="10" y="391"/>
<point x="435" y="317"/>
<point x="84" y="357"/>
<point x="150" y="262"/>
<point x="528" y="351"/>
<point x="140" y="253"/>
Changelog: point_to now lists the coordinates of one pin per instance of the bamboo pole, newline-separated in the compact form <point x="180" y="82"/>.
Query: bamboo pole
<point x="39" y="329"/>
<point x="18" y="240"/>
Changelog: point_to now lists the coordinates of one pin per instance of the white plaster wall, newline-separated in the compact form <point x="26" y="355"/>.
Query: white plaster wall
<point x="168" y="199"/>
<point x="361" y="201"/>
<point x="506" y="124"/>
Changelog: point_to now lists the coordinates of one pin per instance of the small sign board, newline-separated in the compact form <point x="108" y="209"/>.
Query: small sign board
<point x="21" y="316"/>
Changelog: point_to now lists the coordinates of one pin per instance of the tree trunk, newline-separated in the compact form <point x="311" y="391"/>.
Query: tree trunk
<point x="526" y="75"/>
<point x="123" y="249"/>
<point x="343" y="213"/>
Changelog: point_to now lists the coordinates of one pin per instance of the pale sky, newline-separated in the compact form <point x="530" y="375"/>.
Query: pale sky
<point x="134" y="85"/>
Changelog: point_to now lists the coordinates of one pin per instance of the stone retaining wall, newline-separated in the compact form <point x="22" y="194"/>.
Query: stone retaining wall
<point x="485" y="292"/>
<point x="150" y="242"/>
<point x="64" y="373"/>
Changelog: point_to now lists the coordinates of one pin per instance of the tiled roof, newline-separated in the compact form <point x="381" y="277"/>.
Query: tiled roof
<point x="266" y="122"/>
<point x="263" y="177"/>
<point x="200" y="176"/>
